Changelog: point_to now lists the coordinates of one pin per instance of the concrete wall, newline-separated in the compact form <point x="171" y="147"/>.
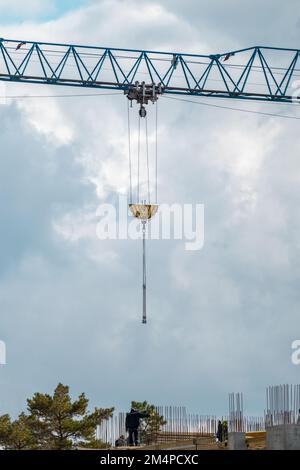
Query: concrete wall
<point x="237" y="441"/>
<point x="284" y="437"/>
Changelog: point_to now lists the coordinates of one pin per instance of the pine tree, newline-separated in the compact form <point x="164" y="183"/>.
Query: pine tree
<point x="58" y="423"/>
<point x="16" y="435"/>
<point x="53" y="422"/>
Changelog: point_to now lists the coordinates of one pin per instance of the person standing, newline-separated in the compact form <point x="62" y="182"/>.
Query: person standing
<point x="132" y="424"/>
<point x="220" y="432"/>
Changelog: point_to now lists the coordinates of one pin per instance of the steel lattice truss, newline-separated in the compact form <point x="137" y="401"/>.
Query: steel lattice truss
<point x="257" y="73"/>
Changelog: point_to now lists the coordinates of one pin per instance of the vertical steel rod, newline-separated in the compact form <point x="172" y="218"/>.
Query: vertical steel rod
<point x="144" y="321"/>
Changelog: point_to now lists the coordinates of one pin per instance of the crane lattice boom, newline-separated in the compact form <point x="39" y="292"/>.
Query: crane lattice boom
<point x="257" y="73"/>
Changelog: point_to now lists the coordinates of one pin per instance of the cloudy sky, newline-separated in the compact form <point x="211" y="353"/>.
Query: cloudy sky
<point x="221" y="319"/>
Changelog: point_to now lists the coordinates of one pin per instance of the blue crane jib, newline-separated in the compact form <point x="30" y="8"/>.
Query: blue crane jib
<point x="256" y="73"/>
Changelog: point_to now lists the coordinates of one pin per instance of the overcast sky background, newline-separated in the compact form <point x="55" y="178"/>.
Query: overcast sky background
<point x="221" y="319"/>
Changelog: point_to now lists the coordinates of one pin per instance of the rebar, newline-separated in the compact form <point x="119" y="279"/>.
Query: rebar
<point x="181" y="425"/>
<point x="283" y="405"/>
<point x="236" y="413"/>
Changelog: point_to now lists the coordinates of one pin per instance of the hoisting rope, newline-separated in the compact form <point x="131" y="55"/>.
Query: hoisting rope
<point x="139" y="144"/>
<point x="156" y="153"/>
<point x="147" y="153"/>
<point x="143" y="115"/>
<point x="129" y="152"/>
<point x="138" y="162"/>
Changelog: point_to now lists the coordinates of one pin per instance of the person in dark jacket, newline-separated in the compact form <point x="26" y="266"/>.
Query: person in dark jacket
<point x="132" y="425"/>
<point x="220" y="432"/>
<point x="120" y="442"/>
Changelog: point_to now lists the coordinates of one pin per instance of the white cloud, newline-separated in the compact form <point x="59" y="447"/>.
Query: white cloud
<point x="53" y="125"/>
<point x="27" y="8"/>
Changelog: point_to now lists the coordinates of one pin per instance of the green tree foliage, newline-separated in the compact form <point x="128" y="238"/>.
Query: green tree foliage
<point x="16" y="435"/>
<point x="5" y="430"/>
<point x="54" y="422"/>
<point x="59" y="423"/>
<point x="149" y="426"/>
